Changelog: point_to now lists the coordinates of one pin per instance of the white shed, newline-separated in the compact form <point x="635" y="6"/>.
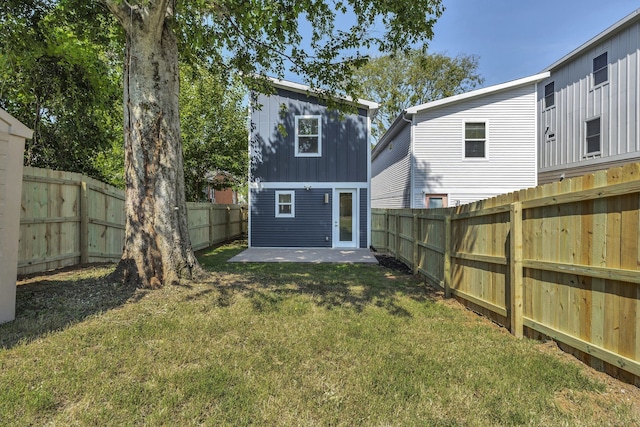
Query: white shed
<point x="12" y="137"/>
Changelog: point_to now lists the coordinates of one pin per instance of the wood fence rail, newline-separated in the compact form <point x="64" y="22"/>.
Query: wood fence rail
<point x="68" y="219"/>
<point x="560" y="260"/>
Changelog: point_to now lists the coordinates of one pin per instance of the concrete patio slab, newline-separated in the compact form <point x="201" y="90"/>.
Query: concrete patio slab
<point x="310" y="255"/>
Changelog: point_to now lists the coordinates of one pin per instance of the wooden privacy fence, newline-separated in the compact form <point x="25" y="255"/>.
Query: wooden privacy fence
<point x="560" y="260"/>
<point x="68" y="218"/>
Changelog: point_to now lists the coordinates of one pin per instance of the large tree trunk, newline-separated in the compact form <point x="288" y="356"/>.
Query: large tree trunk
<point x="157" y="247"/>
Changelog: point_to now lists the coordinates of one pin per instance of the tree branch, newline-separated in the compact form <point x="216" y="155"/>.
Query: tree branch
<point x="158" y="13"/>
<point x="122" y="10"/>
<point x="255" y="41"/>
<point x="152" y="15"/>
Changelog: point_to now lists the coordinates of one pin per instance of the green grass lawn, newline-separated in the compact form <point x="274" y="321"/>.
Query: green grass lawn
<point x="279" y="344"/>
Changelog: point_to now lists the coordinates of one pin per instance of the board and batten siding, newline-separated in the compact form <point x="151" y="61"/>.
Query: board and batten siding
<point x="344" y="142"/>
<point x="391" y="172"/>
<point x="616" y="103"/>
<point x="439" y="163"/>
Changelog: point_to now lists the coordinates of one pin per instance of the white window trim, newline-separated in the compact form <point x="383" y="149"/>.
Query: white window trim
<point x="293" y="204"/>
<point x="443" y="196"/>
<point x="319" y="153"/>
<point x="600" y="138"/>
<point x="486" y="141"/>
<point x="593" y="72"/>
<point x="544" y="97"/>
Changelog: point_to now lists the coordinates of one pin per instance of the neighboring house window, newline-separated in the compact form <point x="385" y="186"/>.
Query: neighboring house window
<point x="308" y="136"/>
<point x="474" y="140"/>
<point x="593" y="136"/>
<point x="285" y="204"/>
<point x="435" y="201"/>
<point x="600" y="70"/>
<point x="549" y="95"/>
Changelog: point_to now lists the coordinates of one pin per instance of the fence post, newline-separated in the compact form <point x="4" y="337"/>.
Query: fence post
<point x="447" y="256"/>
<point x="398" y="222"/>
<point x="515" y="261"/>
<point x="415" y="236"/>
<point x="211" y="236"/>
<point x="227" y="225"/>
<point x="386" y="230"/>
<point x="84" y="223"/>
<point x="245" y="219"/>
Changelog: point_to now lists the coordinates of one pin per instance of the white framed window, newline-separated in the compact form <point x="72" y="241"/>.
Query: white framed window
<point x="600" y="69"/>
<point x="308" y="136"/>
<point x="285" y="204"/>
<point x="549" y="95"/>
<point x="475" y="140"/>
<point x="593" y="133"/>
<point x="432" y="201"/>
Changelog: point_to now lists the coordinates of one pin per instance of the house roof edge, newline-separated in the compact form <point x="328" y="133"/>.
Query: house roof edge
<point x="479" y="92"/>
<point x="393" y="130"/>
<point x="300" y="88"/>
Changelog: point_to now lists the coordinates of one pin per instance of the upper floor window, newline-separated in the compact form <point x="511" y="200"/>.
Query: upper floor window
<point x="593" y="136"/>
<point x="600" y="70"/>
<point x="549" y="95"/>
<point x="285" y="204"/>
<point x="475" y="140"/>
<point x="308" y="136"/>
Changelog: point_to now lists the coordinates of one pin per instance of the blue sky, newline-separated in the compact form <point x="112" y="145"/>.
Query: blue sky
<point x="518" y="38"/>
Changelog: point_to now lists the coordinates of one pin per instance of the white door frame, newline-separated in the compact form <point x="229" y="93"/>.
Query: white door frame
<point x="355" y="216"/>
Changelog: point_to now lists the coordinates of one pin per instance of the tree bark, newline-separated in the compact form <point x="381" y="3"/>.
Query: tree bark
<point x="157" y="247"/>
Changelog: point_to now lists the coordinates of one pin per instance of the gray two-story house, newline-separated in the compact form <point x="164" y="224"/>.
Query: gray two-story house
<point x="589" y="106"/>
<point x="309" y="179"/>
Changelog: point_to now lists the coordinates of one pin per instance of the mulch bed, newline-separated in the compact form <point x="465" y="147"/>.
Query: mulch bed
<point x="390" y="262"/>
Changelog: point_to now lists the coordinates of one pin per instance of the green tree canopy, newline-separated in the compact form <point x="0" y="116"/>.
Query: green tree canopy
<point x="214" y="128"/>
<point x="405" y="79"/>
<point x="248" y="38"/>
<point x="62" y="77"/>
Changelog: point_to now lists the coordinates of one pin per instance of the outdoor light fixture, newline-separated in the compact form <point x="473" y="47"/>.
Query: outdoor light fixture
<point x="326" y="198"/>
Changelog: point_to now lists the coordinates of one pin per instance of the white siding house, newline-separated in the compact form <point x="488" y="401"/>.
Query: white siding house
<point x="589" y="106"/>
<point x="459" y="149"/>
<point x="391" y="168"/>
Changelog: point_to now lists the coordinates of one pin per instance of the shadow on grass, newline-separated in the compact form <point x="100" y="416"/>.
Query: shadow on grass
<point x="330" y="286"/>
<point x="54" y="300"/>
